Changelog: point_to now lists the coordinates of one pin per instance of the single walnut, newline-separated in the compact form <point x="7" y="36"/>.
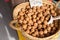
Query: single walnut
<point x="32" y="30"/>
<point x="49" y="29"/>
<point x="28" y="31"/>
<point x="52" y="25"/>
<point x="30" y="22"/>
<point x="39" y="22"/>
<point x="40" y="14"/>
<point x="27" y="19"/>
<point x="45" y="14"/>
<point x="41" y="33"/>
<point x="20" y="21"/>
<point x="51" y="7"/>
<point x="34" y="20"/>
<point x="22" y="18"/>
<point x="29" y="27"/>
<point x="27" y="7"/>
<point x="34" y="7"/>
<point x="21" y="13"/>
<point x="44" y="26"/>
<point x="30" y="10"/>
<point x="52" y="11"/>
<point x="29" y="14"/>
<point x="37" y="18"/>
<point x="34" y="34"/>
<point x="35" y="24"/>
<point x="24" y="26"/>
<point x="34" y="16"/>
<point x="45" y="22"/>
<point x="54" y="28"/>
<point x="45" y="31"/>
<point x="42" y="19"/>
<point x="39" y="26"/>
<point x="36" y="13"/>
<point x="24" y="21"/>
<point x="47" y="18"/>
<point x="34" y="27"/>
<point x="54" y="14"/>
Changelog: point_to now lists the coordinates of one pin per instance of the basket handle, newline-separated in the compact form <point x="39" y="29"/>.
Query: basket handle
<point x="14" y="26"/>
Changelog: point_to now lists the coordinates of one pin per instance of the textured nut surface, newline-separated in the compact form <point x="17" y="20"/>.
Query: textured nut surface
<point x="34" y="20"/>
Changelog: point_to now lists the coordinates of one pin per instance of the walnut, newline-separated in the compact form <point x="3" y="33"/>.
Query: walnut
<point x="41" y="32"/>
<point x="24" y="26"/>
<point x="45" y="31"/>
<point x="49" y="29"/>
<point x="40" y="26"/>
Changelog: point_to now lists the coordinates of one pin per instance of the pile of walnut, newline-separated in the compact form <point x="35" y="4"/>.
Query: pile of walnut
<point x="34" y="20"/>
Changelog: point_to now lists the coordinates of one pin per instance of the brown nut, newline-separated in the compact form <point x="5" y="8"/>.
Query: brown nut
<point x="26" y="12"/>
<point x="34" y="27"/>
<point x="44" y="26"/>
<point x="48" y="9"/>
<point x="36" y="13"/>
<point x="22" y="18"/>
<point x="28" y="7"/>
<point x="37" y="7"/>
<point x="34" y="7"/>
<point x="18" y="17"/>
<point x="30" y="21"/>
<point x="51" y="7"/>
<point x="45" y="22"/>
<point x="24" y="21"/>
<point x="29" y="27"/>
<point x="32" y="13"/>
<point x="40" y="26"/>
<point x="38" y="10"/>
<point x="52" y="11"/>
<point x="42" y="19"/>
<point x="34" y="20"/>
<point x="32" y="30"/>
<point x="27" y="19"/>
<point x="29" y="14"/>
<point x="30" y="10"/>
<point x="34" y="34"/>
<point x="49" y="29"/>
<point x="54" y="28"/>
<point x="20" y="21"/>
<point x="45" y="14"/>
<point x="39" y="22"/>
<point x="37" y="18"/>
<point x="34" y="16"/>
<point x="54" y="14"/>
<point x="52" y="25"/>
<point x="24" y="26"/>
<point x="21" y="13"/>
<point x="34" y="10"/>
<point x="35" y="24"/>
<point x="28" y="31"/>
<point x="48" y="12"/>
<point x="40" y="14"/>
<point x="45" y="31"/>
<point x="41" y="32"/>
<point x="47" y="18"/>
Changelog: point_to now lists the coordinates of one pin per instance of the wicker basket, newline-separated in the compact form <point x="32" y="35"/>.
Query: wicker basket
<point x="15" y="13"/>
